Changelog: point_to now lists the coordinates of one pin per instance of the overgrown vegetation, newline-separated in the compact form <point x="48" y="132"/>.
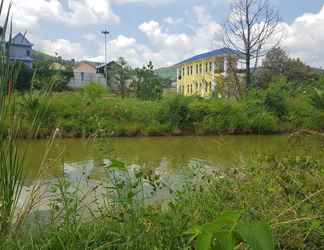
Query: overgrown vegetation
<point x="92" y="111"/>
<point x="273" y="203"/>
<point x="12" y="157"/>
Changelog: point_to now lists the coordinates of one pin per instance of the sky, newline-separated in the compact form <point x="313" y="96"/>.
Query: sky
<point x="163" y="31"/>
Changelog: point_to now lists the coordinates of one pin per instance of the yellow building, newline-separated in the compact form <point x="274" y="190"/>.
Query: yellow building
<point x="199" y="75"/>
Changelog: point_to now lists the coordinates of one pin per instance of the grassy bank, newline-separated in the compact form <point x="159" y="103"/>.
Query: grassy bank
<point x="90" y="112"/>
<point x="285" y="193"/>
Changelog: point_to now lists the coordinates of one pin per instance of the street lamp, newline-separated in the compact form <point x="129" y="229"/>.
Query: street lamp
<point x="106" y="33"/>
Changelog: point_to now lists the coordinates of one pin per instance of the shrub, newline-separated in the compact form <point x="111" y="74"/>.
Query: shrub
<point x="299" y="113"/>
<point x="94" y="90"/>
<point x="317" y="119"/>
<point x="263" y="123"/>
<point x="317" y="98"/>
<point x="275" y="99"/>
<point x="175" y="111"/>
<point x="92" y="111"/>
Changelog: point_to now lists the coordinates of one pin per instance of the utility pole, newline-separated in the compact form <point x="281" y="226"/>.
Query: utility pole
<point x="106" y="33"/>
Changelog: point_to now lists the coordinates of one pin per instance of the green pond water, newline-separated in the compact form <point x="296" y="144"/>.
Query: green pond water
<point x="165" y="153"/>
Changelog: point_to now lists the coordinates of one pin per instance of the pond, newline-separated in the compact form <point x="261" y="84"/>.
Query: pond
<point x="176" y="160"/>
<point x="167" y="153"/>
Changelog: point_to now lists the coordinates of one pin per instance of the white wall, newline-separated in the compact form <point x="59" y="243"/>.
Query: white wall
<point x="78" y="82"/>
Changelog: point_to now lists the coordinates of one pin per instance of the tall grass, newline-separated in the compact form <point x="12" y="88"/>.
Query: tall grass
<point x="12" y="157"/>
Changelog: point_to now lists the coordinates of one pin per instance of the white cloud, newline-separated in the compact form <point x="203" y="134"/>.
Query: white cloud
<point x="135" y="53"/>
<point x="90" y="37"/>
<point x="152" y="3"/>
<point x="30" y="13"/>
<point x="174" y="47"/>
<point x="165" y="48"/>
<point x="172" y="21"/>
<point x="304" y="38"/>
<point x="83" y="12"/>
<point x="62" y="47"/>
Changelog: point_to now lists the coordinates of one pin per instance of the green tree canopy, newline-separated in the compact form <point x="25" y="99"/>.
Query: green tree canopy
<point x="46" y="76"/>
<point x="148" y="85"/>
<point x="277" y="64"/>
<point x="120" y="76"/>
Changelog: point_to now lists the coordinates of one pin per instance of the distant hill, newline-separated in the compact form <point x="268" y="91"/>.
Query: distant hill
<point x="318" y="70"/>
<point x="41" y="56"/>
<point x="167" y="72"/>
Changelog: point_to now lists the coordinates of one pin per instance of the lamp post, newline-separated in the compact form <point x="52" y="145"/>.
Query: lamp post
<point x="106" y="33"/>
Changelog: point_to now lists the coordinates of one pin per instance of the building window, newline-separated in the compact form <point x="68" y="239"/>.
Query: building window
<point x="188" y="70"/>
<point x="211" y="67"/>
<point x="183" y="71"/>
<point x="196" y="87"/>
<point x="200" y="68"/>
<point x="28" y="53"/>
<point x="197" y="69"/>
<point x="82" y="76"/>
<point x="191" y="88"/>
<point x="220" y="66"/>
<point x="206" y="67"/>
<point x="206" y="87"/>
<point x="210" y="86"/>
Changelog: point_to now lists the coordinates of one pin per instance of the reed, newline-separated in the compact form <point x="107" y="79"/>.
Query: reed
<point x="12" y="157"/>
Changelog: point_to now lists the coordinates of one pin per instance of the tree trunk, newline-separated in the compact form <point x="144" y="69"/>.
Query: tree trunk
<point x="248" y="71"/>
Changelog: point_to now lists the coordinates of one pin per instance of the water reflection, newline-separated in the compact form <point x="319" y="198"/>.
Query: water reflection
<point x="176" y="160"/>
<point x="171" y="153"/>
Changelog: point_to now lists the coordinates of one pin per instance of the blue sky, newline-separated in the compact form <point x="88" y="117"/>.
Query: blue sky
<point x="164" y="31"/>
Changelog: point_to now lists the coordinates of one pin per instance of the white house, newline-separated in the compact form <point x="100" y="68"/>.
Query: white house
<point x="85" y="73"/>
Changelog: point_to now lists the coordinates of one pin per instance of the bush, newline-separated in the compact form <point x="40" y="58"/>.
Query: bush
<point x="221" y="117"/>
<point x="92" y="111"/>
<point x="264" y="123"/>
<point x="24" y="78"/>
<point x="317" y="120"/>
<point x="275" y="99"/>
<point x="299" y="113"/>
<point x="175" y="111"/>
<point x="317" y="99"/>
<point x="94" y="90"/>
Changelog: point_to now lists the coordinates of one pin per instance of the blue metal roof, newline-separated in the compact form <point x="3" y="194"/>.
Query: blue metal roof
<point x="217" y="52"/>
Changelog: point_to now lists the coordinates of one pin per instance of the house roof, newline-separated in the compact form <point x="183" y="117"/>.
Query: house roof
<point x="92" y="64"/>
<point x="103" y="64"/>
<point x="20" y="39"/>
<point x="217" y="52"/>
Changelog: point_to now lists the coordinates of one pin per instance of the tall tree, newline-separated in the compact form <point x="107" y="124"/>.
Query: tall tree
<point x="249" y="30"/>
<point x="120" y="75"/>
<point x="147" y="84"/>
<point x="277" y="63"/>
